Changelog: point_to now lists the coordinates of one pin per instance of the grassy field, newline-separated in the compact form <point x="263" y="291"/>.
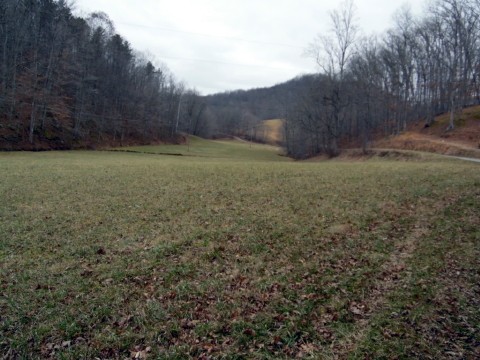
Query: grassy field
<point x="232" y="150"/>
<point x="245" y="255"/>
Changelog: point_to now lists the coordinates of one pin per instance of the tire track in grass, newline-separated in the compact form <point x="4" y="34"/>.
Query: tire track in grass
<point x="393" y="272"/>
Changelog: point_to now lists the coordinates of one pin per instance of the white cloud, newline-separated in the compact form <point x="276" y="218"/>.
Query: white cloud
<point x="217" y="45"/>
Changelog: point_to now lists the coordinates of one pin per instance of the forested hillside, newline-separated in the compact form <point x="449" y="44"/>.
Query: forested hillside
<point x="70" y="82"/>
<point x="241" y="112"/>
<point x="371" y="85"/>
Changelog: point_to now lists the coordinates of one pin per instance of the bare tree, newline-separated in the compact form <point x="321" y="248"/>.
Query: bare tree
<point x="333" y="54"/>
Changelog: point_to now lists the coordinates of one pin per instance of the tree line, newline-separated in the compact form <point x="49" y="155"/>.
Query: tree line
<point x="418" y="69"/>
<point x="67" y="81"/>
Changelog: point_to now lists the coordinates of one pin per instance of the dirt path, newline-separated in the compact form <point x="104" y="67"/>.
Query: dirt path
<point x="464" y="158"/>
<point x="240" y="139"/>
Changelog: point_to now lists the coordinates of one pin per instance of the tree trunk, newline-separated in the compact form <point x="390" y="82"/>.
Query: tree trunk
<point x="32" y="122"/>
<point x="451" y="124"/>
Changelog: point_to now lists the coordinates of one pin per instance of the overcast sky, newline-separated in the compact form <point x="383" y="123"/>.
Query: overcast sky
<point x="218" y="45"/>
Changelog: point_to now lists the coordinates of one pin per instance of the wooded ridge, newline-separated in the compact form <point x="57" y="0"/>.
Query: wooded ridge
<point x="69" y="82"/>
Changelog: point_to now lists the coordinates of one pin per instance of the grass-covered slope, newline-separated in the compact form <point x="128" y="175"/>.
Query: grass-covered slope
<point x="272" y="131"/>
<point x="231" y="150"/>
<point x="118" y="255"/>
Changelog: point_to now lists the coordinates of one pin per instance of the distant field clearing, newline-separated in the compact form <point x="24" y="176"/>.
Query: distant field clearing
<point x="271" y="131"/>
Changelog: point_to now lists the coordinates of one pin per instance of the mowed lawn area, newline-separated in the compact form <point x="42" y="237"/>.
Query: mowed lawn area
<point x="245" y="255"/>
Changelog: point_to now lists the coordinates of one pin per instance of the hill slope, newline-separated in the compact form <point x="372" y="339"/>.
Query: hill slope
<point x="464" y="140"/>
<point x="227" y="149"/>
<point x="270" y="132"/>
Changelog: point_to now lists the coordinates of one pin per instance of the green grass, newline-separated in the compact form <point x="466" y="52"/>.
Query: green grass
<point x="218" y="149"/>
<point x="117" y="255"/>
